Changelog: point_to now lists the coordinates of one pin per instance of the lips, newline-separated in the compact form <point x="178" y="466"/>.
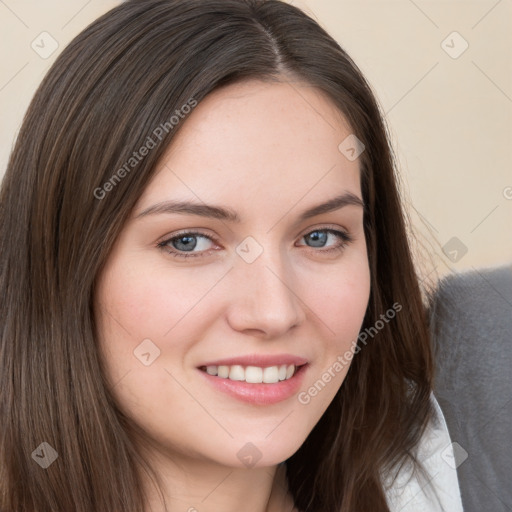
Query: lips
<point x="253" y="379"/>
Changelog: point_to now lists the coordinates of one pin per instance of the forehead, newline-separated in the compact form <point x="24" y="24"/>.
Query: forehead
<point x="257" y="141"/>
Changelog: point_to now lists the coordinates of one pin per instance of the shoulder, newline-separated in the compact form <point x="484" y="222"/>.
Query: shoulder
<point x="472" y="322"/>
<point x="477" y="291"/>
<point x="435" y="487"/>
<point x="471" y="319"/>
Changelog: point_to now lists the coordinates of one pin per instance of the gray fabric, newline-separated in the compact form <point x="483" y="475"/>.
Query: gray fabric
<point x="472" y="329"/>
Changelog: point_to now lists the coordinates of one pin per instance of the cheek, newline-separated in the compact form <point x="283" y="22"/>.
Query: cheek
<point x="150" y="300"/>
<point x="137" y="302"/>
<point x="340" y="299"/>
<point x="339" y="305"/>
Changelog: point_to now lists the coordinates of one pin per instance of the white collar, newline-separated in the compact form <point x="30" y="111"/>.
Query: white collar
<point x="440" y="491"/>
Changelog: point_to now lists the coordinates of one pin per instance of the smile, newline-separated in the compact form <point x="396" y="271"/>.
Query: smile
<point x="252" y="374"/>
<point x="255" y="385"/>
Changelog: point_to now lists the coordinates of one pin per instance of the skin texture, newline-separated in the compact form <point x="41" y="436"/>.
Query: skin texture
<point x="268" y="152"/>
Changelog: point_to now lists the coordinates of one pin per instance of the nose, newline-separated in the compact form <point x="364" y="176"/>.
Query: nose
<point x="266" y="301"/>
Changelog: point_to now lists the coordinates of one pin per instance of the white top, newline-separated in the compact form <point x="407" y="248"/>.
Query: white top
<point x="439" y="490"/>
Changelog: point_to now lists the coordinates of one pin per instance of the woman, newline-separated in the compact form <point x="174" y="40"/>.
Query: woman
<point x="170" y="340"/>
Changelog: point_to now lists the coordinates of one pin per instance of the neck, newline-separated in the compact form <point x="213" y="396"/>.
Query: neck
<point x="194" y="485"/>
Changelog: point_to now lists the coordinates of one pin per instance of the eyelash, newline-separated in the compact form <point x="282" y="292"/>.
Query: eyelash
<point x="343" y="235"/>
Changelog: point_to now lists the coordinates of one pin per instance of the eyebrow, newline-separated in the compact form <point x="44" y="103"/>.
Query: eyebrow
<point x="223" y="213"/>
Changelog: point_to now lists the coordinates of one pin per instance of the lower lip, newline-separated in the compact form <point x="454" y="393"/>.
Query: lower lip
<point x="258" y="394"/>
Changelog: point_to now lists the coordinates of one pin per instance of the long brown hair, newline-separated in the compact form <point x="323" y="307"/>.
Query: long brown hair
<point x="116" y="82"/>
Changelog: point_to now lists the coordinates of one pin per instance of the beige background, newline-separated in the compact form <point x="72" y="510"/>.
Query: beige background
<point x="450" y="116"/>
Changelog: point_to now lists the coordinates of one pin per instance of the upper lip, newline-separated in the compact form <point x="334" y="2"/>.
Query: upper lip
<point x="261" y="360"/>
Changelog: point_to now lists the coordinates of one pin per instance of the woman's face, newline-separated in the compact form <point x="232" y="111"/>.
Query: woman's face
<point x="279" y="287"/>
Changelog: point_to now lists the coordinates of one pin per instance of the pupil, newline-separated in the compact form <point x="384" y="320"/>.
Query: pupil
<point x="318" y="236"/>
<point x="188" y="245"/>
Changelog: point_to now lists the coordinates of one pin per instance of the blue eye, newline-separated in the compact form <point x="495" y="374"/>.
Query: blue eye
<point x="320" y="237"/>
<point x="183" y="244"/>
<point x="178" y="246"/>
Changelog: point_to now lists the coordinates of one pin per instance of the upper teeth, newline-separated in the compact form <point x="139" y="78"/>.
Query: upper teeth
<point x="253" y="374"/>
